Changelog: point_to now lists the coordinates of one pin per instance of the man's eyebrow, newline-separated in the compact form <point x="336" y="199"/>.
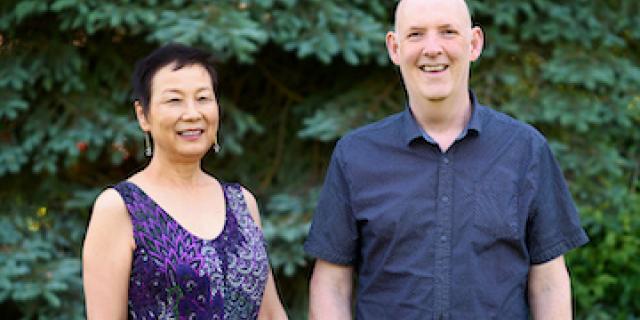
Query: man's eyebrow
<point x="447" y="26"/>
<point x="415" y="28"/>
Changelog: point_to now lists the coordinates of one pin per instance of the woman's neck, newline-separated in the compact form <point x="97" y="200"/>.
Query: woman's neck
<point x="165" y="172"/>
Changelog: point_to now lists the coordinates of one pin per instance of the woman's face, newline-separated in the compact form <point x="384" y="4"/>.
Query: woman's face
<point x="183" y="113"/>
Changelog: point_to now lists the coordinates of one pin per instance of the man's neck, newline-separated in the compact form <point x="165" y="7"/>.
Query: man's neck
<point x="443" y="120"/>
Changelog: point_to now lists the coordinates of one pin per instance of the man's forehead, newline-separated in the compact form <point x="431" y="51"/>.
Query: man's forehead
<point x="445" y="11"/>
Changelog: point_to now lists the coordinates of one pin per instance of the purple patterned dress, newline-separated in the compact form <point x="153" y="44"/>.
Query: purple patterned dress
<point x="177" y="275"/>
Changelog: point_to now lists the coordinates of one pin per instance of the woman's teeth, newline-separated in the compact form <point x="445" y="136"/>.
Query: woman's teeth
<point x="190" y="132"/>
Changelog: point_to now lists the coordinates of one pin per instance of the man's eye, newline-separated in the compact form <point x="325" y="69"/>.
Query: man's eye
<point x="449" y="32"/>
<point x="204" y="99"/>
<point x="414" y="34"/>
<point x="173" y="100"/>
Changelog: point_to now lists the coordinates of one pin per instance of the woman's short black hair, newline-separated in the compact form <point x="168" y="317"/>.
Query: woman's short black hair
<point x="173" y="53"/>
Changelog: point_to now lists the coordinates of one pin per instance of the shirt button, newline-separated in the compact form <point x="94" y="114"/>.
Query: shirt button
<point x="445" y="199"/>
<point x="445" y="160"/>
<point x="443" y="238"/>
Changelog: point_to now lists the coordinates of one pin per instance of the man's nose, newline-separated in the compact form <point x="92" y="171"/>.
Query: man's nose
<point x="432" y="46"/>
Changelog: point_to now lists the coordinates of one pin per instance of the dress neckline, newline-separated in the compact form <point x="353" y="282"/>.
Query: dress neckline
<point x="222" y="232"/>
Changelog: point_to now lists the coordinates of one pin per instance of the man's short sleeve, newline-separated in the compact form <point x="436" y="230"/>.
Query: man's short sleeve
<point x="554" y="226"/>
<point x="333" y="236"/>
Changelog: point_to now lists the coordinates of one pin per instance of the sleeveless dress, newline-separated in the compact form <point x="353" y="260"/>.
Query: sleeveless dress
<point x="177" y="275"/>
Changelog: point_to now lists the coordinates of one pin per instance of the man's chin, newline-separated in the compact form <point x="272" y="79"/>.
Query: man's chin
<point x="436" y="98"/>
<point x="438" y="95"/>
<point x="435" y="95"/>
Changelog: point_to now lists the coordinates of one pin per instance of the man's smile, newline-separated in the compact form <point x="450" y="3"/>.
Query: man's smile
<point x="433" y="67"/>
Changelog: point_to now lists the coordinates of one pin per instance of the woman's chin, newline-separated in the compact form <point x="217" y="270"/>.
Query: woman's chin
<point x="187" y="155"/>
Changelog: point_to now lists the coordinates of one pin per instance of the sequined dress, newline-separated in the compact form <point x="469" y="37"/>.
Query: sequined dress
<point x="177" y="275"/>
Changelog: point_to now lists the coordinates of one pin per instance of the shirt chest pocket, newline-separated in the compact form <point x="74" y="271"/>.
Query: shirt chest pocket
<point x="496" y="208"/>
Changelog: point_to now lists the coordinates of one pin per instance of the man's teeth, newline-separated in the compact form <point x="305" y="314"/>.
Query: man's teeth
<point x="190" y="133"/>
<point x="433" y="68"/>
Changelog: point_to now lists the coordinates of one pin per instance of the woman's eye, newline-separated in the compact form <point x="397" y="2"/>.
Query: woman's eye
<point x="173" y="100"/>
<point x="204" y="99"/>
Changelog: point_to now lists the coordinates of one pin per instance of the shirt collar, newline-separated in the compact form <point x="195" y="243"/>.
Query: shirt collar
<point x="412" y="131"/>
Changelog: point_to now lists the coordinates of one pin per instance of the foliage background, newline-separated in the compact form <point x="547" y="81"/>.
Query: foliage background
<point x="296" y="75"/>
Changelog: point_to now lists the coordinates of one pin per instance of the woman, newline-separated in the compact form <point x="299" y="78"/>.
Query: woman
<point x="173" y="242"/>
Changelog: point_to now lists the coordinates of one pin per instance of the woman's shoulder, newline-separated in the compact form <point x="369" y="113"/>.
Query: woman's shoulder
<point x="109" y="219"/>
<point x="110" y="204"/>
<point x="249" y="199"/>
<point x="109" y="233"/>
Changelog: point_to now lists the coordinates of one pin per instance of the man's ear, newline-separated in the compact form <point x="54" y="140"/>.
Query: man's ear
<point x="142" y="118"/>
<point x="477" y="43"/>
<point x="392" y="47"/>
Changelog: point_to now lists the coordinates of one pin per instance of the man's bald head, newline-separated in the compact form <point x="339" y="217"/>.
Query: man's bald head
<point x="404" y="5"/>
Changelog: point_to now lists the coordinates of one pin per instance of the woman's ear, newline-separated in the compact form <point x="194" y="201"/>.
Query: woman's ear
<point x="141" y="116"/>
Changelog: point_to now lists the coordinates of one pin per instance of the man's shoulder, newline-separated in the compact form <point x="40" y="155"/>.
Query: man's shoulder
<point x="500" y="123"/>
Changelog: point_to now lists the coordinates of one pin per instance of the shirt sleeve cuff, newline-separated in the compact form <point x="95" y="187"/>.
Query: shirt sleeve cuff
<point x="320" y="253"/>
<point x="577" y="239"/>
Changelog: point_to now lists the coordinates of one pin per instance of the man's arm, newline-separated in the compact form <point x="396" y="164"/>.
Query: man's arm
<point x="330" y="291"/>
<point x="550" y="290"/>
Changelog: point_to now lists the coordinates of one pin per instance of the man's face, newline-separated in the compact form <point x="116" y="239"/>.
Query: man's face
<point x="433" y="45"/>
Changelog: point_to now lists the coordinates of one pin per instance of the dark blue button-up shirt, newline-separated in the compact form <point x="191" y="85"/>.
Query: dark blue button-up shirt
<point x="449" y="235"/>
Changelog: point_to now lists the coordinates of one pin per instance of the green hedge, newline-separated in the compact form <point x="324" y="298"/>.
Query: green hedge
<point x="295" y="76"/>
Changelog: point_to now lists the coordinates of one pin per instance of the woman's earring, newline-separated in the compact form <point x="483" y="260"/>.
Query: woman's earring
<point x="216" y="146"/>
<point x="148" y="151"/>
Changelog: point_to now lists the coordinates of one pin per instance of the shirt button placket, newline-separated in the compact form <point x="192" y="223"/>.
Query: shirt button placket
<point x="443" y="247"/>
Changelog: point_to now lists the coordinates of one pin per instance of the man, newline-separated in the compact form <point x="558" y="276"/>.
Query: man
<point x="447" y="210"/>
